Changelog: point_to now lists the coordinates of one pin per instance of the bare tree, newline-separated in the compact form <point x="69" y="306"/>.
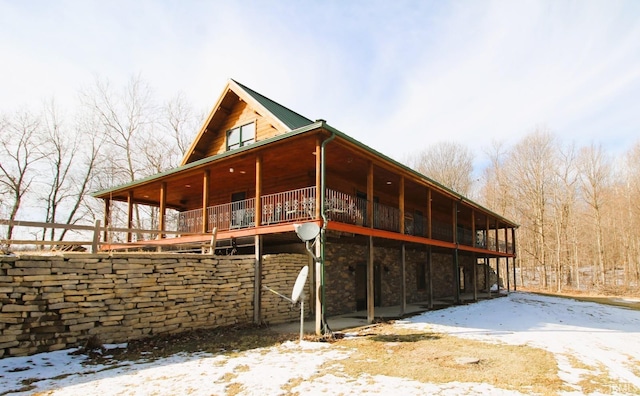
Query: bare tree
<point x="563" y="201"/>
<point x="496" y="189"/>
<point x="531" y="167"/>
<point x="127" y="119"/>
<point x="595" y="174"/>
<point x="631" y="219"/>
<point x="448" y="163"/>
<point x="19" y="153"/>
<point x="182" y="123"/>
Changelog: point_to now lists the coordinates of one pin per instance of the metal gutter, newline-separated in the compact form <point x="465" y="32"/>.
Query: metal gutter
<point x="323" y="172"/>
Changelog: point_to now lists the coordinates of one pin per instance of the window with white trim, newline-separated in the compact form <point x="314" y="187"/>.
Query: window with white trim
<point x="241" y="136"/>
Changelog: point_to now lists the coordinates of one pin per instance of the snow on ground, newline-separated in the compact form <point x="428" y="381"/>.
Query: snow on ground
<point x="598" y="335"/>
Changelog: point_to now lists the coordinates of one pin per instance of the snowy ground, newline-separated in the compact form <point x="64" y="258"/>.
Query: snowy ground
<point x="599" y="336"/>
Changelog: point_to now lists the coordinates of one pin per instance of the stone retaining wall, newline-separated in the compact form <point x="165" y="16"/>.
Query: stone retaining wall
<point x="54" y="302"/>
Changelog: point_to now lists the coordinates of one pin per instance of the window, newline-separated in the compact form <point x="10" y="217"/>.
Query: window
<point x="241" y="136"/>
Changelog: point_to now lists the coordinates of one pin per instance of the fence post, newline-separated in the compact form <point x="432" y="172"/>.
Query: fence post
<point x="96" y="237"/>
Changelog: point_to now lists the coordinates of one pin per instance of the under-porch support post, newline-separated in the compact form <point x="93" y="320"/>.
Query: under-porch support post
<point x="430" y="271"/>
<point x="456" y="278"/>
<point x="513" y="251"/>
<point x="508" y="279"/>
<point x="107" y="217"/>
<point x="456" y="263"/>
<point x="475" y="277"/>
<point x="129" y="214"/>
<point x="318" y="285"/>
<point x="403" y="304"/>
<point x="487" y="274"/>
<point x="163" y="209"/>
<point x="205" y="200"/>
<point x="257" y="281"/>
<point x="498" y="274"/>
<point x="370" y="284"/>
<point x="258" y="209"/>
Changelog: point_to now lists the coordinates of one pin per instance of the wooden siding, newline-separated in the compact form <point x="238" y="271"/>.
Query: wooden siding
<point x="241" y="114"/>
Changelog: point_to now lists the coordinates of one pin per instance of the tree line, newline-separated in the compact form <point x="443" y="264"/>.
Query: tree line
<point x="51" y="160"/>
<point x="578" y="207"/>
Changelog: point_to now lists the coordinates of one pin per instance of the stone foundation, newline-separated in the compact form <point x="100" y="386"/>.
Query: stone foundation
<point x="54" y="302"/>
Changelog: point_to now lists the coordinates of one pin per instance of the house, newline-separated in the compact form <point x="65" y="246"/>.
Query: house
<point x="390" y="235"/>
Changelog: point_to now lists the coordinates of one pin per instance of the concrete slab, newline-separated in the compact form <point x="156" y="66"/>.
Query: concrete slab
<point x="345" y="322"/>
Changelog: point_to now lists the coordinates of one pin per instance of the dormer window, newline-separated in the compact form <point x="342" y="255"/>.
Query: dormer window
<point x="241" y="136"/>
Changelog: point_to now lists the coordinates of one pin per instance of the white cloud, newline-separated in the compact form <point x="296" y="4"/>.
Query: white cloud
<point x="423" y="72"/>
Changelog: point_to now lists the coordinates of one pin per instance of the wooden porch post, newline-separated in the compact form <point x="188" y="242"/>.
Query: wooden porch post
<point x="129" y="214"/>
<point x="205" y="200"/>
<point x="454" y="221"/>
<point x="473" y="228"/>
<point x="401" y="204"/>
<point x="107" y="215"/>
<point x="318" y="179"/>
<point x="497" y="236"/>
<point x="370" y="195"/>
<point x="486" y="234"/>
<point x="163" y="208"/>
<point x="258" y="215"/>
<point x="370" y="284"/>
<point x="429" y="234"/>
<point x="506" y="239"/>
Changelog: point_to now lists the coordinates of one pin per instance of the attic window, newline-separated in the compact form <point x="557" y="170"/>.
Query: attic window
<point x="241" y="136"/>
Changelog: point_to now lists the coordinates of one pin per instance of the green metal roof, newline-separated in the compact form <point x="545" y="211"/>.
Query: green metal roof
<point x="288" y="117"/>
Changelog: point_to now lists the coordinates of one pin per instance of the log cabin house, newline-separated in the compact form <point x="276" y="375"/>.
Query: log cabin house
<point x="390" y="235"/>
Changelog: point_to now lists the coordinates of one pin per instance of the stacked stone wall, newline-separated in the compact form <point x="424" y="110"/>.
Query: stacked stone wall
<point x="54" y="302"/>
<point x="279" y="273"/>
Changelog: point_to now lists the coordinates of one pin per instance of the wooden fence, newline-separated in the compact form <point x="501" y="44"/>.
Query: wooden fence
<point x="96" y="231"/>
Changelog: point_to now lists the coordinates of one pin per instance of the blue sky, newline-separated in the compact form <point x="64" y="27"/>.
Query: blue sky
<point x="396" y="75"/>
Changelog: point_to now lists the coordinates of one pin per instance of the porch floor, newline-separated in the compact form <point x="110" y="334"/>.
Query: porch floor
<point x="340" y="323"/>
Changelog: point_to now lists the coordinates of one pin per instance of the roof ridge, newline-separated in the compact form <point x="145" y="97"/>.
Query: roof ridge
<point x="290" y="118"/>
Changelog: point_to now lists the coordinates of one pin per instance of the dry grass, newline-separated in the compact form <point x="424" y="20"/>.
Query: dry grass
<point x="597" y="379"/>
<point x="437" y="358"/>
<point x="384" y="349"/>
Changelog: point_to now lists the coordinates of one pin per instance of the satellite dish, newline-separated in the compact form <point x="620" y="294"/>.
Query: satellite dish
<point x="307" y="231"/>
<point x="298" y="287"/>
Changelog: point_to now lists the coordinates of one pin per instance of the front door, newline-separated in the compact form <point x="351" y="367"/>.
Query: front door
<point x="361" y="286"/>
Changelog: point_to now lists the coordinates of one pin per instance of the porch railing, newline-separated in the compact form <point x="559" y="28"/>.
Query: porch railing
<point x="345" y="208"/>
<point x="288" y="206"/>
<point x="300" y="205"/>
